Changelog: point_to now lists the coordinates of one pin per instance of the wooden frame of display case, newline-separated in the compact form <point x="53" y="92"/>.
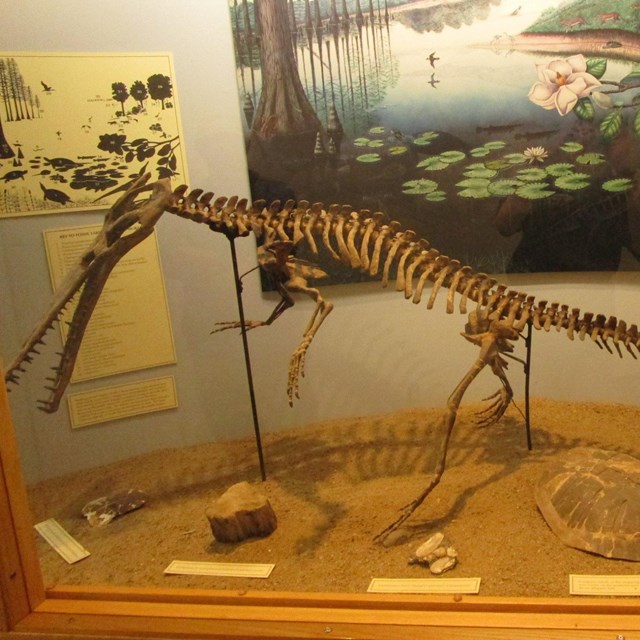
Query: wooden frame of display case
<point x="29" y="611"/>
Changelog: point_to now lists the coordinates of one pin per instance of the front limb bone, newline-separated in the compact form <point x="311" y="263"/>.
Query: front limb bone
<point x="298" y="284"/>
<point x="283" y="304"/>
<point x="274" y="258"/>
<point x="289" y="275"/>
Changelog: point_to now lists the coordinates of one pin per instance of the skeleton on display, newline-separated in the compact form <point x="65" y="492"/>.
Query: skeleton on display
<point x="360" y="239"/>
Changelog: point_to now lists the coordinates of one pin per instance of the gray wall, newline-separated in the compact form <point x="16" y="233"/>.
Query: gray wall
<point x="375" y="354"/>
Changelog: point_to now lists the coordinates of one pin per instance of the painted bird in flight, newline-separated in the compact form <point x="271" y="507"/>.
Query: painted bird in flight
<point x="432" y="58"/>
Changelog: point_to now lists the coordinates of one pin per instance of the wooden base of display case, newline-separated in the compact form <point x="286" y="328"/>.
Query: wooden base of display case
<point x="28" y="610"/>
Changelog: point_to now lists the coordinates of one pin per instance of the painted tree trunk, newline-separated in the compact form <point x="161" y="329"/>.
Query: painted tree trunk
<point x="285" y="125"/>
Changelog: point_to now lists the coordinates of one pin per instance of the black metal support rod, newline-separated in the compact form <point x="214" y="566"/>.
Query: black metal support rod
<point x="527" y="381"/>
<point x="247" y="358"/>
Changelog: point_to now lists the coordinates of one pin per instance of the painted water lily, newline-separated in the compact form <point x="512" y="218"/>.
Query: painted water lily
<point x="561" y="83"/>
<point x="535" y="154"/>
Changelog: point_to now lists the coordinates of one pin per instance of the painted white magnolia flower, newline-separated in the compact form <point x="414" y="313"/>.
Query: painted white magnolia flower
<point x="561" y="83"/>
<point x="535" y="154"/>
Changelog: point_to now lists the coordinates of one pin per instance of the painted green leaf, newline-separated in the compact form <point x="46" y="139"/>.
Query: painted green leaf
<point x="584" y="109"/>
<point x="617" y="184"/>
<point x="419" y="187"/>
<point x="532" y="174"/>
<point x="397" y="151"/>
<point x="534" y="191"/>
<point x="436" y="196"/>
<point x="636" y="123"/>
<point x="515" y="158"/>
<point x="376" y="144"/>
<point x="597" y="66"/>
<point x="591" y="158"/>
<point x="611" y="125"/>
<point x="494" y="144"/>
<point x="559" y="169"/>
<point x="369" y="157"/>
<point x="480" y="172"/>
<point x="376" y="130"/>
<point x="452" y="156"/>
<point x="478" y="152"/>
<point x="432" y="163"/>
<point x="572" y="147"/>
<point x="361" y="142"/>
<point x="504" y="187"/>
<point x="573" y="181"/>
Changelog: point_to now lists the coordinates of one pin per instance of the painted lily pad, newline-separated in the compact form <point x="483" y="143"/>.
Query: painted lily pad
<point x="452" y="156"/>
<point x="494" y="144"/>
<point x="479" y="171"/>
<point x="479" y="152"/>
<point x="617" y="185"/>
<point x="573" y="181"/>
<point x="532" y="174"/>
<point x="397" y="151"/>
<point x="376" y="130"/>
<point x="474" y="193"/>
<point x="474" y="188"/>
<point x="497" y="165"/>
<point x="369" y="157"/>
<point x="572" y="147"/>
<point x="534" y="191"/>
<point x="436" y="196"/>
<point x="515" y="158"/>
<point x="419" y="187"/>
<point x="591" y="158"/>
<point x="426" y="138"/>
<point x="361" y="142"/>
<point x="432" y="163"/>
<point x="504" y="187"/>
<point x="559" y="169"/>
<point x="376" y="144"/>
<point x="473" y="183"/>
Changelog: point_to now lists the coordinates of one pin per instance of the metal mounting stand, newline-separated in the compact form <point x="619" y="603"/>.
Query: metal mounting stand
<point x="527" y="380"/>
<point x="247" y="358"/>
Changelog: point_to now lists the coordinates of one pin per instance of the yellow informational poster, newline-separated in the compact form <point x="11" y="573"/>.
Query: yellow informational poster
<point x="77" y="128"/>
<point x="121" y="401"/>
<point x="130" y="328"/>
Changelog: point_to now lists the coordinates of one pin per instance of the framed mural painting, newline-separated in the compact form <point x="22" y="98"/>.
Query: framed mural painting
<point x="505" y="132"/>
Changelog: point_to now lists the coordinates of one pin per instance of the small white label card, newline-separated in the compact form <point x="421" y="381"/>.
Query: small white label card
<point x="220" y="569"/>
<point x="595" y="585"/>
<point x="424" y="585"/>
<point x="69" y="548"/>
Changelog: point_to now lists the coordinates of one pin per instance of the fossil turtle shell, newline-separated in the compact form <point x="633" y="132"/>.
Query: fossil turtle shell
<point x="591" y="501"/>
